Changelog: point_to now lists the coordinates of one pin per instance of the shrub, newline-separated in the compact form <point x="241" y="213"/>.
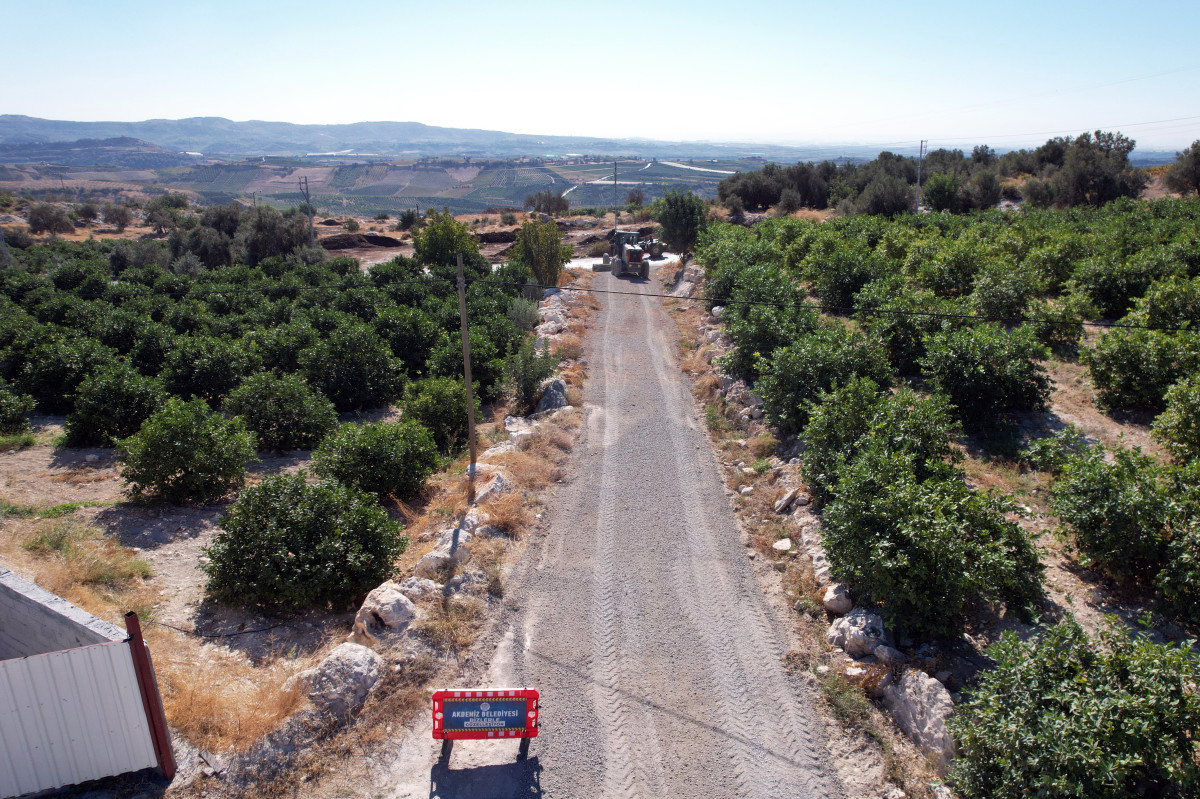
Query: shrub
<point x="186" y="452"/>
<point x="899" y="318"/>
<point x="524" y="314"/>
<point x="207" y="367"/>
<point x="1134" y="368"/>
<point x="292" y="545"/>
<point x="846" y="420"/>
<point x="386" y="459"/>
<point x="112" y="404"/>
<point x="987" y="371"/>
<point x="410" y="334"/>
<point x="354" y="368"/>
<point x="56" y="366"/>
<point x="508" y="218"/>
<point x="524" y="372"/>
<point x="283" y="411"/>
<point x="1116" y="511"/>
<point x="796" y="374"/>
<point x="891" y="536"/>
<point x="1112" y="283"/>
<point x="1060" y="716"/>
<point x="13" y="407"/>
<point x="1052" y="453"/>
<point x="1004" y="291"/>
<point x="440" y="404"/>
<point x="1178" y="427"/>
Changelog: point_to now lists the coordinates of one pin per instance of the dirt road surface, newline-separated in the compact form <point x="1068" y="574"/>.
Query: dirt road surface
<point x="636" y="613"/>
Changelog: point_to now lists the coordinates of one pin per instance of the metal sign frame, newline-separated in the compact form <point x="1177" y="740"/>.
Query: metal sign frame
<point x="445" y="701"/>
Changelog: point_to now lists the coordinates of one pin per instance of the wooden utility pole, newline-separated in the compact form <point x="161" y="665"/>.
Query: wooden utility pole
<point x="466" y="341"/>
<point x="312" y="236"/>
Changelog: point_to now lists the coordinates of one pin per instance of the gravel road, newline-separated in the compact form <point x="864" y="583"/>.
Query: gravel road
<point x="638" y="615"/>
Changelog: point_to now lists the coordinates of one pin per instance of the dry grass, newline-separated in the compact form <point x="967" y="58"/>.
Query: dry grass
<point x="570" y="347"/>
<point x="219" y="701"/>
<point x="510" y="512"/>
<point x="762" y="445"/>
<point x="451" y="625"/>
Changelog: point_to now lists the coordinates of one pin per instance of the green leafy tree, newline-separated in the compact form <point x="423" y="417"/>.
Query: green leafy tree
<point x="682" y="216"/>
<point x="208" y="367"/>
<point x="119" y="216"/>
<point x="186" y="453"/>
<point x="441" y="241"/>
<point x="440" y="404"/>
<point x="891" y="535"/>
<point x="112" y="404"/>
<point x="385" y="459"/>
<point x="539" y="247"/>
<point x="1184" y="174"/>
<point x="987" y="371"/>
<point x="282" y="411"/>
<point x="850" y="418"/>
<point x="796" y="374"/>
<point x="1178" y="427"/>
<point x="354" y="368"/>
<point x="940" y="192"/>
<point x="47" y="218"/>
<point x="293" y="545"/>
<point x="548" y="201"/>
<point x="1060" y="716"/>
<point x="1115" y="512"/>
<point x="13" y="409"/>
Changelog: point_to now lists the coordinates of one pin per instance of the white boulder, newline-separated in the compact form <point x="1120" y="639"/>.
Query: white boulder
<point x="837" y="599"/>
<point x="385" y="611"/>
<point x="858" y="633"/>
<point x="344" y="680"/>
<point x="920" y="706"/>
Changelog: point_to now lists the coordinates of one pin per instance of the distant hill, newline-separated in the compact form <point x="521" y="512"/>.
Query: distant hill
<point x="218" y="136"/>
<point x="123" y="151"/>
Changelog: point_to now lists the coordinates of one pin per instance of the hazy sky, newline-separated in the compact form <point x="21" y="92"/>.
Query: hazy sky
<point x="1006" y="74"/>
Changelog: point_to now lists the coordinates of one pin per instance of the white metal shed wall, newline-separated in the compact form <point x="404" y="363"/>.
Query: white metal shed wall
<point x="72" y="716"/>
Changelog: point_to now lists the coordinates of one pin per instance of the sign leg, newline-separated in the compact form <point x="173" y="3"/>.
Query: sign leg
<point x="447" y="747"/>
<point x="523" y="752"/>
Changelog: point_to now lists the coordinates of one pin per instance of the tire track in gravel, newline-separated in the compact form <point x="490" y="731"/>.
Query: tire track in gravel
<point x="638" y="614"/>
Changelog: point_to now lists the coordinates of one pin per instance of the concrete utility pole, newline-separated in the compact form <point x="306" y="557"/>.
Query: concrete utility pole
<point x="615" y="185"/>
<point x="920" y="159"/>
<point x="470" y="390"/>
<point x="312" y="236"/>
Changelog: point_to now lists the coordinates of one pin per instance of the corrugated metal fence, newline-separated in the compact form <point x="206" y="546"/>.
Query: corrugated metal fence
<point x="71" y="716"/>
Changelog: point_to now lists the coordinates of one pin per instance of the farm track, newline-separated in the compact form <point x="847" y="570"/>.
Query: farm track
<point x="638" y="615"/>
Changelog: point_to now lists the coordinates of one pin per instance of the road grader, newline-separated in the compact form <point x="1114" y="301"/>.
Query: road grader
<point x="629" y="256"/>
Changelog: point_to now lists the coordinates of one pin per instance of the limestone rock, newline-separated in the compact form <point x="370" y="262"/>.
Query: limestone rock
<point x="920" y="706"/>
<point x="344" y="680"/>
<point x="888" y="656"/>
<point x="746" y="491"/>
<point x="300" y="681"/>
<point x="419" y="588"/>
<point x="521" y="439"/>
<point x="837" y="599"/>
<point x="385" y="611"/>
<point x="858" y="632"/>
<point x="492" y="486"/>
<point x="782" y="545"/>
<point x="434" y="565"/>
<point x="785" y="502"/>
<point x="684" y="289"/>
<point x="554" y="395"/>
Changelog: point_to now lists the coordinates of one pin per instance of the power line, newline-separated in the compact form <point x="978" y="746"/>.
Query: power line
<point x="835" y="309"/>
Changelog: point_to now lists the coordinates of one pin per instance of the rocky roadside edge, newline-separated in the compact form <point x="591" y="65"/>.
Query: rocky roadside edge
<point x="411" y="630"/>
<point x="845" y="652"/>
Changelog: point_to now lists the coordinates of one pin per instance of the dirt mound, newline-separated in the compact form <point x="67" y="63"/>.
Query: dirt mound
<point x="497" y="237"/>
<point x="329" y="222"/>
<point x="348" y="241"/>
